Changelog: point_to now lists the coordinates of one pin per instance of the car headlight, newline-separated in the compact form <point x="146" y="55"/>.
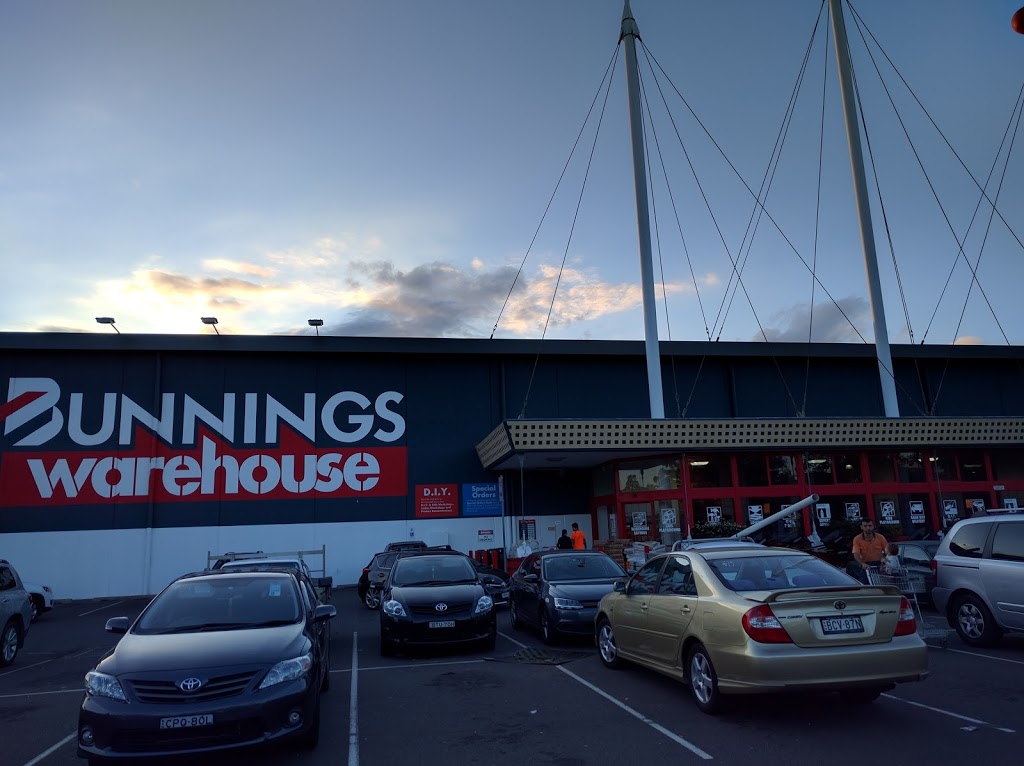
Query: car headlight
<point x="102" y="685"/>
<point x="484" y="605"/>
<point x="394" y="608"/>
<point x="567" y="603"/>
<point x="288" y="670"/>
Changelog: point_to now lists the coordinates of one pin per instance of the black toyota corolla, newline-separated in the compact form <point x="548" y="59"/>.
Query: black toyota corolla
<point x="215" y="661"/>
<point x="435" y="598"/>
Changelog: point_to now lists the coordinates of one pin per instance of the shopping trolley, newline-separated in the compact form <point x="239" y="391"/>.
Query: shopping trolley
<point x="900" y="578"/>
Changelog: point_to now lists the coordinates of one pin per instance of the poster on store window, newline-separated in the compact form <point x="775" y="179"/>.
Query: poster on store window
<point x="950" y="511"/>
<point x="669" y="520"/>
<point x="887" y="512"/>
<point x="714" y="515"/>
<point x="853" y="511"/>
<point x="916" y="512"/>
<point x="639" y="522"/>
<point x="976" y="505"/>
<point x="755" y="513"/>
<point x="824" y="512"/>
<point x="1010" y="502"/>
<point x="789" y="522"/>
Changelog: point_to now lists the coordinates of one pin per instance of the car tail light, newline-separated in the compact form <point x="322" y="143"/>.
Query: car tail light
<point x="907" y="624"/>
<point x="935" y="569"/>
<point x="366" y="570"/>
<point x="761" y="624"/>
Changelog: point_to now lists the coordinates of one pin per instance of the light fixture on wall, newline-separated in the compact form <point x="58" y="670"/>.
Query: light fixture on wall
<point x="212" y="321"/>
<point x="699" y="463"/>
<point x="109" y="321"/>
<point x="317" y="323"/>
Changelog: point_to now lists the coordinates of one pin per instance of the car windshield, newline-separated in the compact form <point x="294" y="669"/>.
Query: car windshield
<point x="785" y="572"/>
<point x="580" y="567"/>
<point x="432" y="570"/>
<point x="232" y="602"/>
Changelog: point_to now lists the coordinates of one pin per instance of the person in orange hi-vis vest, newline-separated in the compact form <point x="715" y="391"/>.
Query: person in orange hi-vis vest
<point x="579" y="540"/>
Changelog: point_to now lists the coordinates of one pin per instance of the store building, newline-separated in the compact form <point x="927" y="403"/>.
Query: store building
<point x="126" y="460"/>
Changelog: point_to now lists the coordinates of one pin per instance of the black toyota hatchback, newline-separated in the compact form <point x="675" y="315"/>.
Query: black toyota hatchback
<point x="217" y="660"/>
<point x="435" y="598"/>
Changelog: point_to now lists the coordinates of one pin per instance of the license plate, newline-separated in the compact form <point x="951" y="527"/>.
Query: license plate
<point x="443" y="624"/>
<point x="833" y="625"/>
<point x="186" y="721"/>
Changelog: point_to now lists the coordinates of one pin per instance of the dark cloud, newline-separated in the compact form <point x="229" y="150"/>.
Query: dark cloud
<point x="185" y="285"/>
<point x="832" y="323"/>
<point x="432" y="300"/>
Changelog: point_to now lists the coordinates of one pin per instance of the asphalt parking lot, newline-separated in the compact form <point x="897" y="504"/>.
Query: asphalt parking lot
<point x="525" y="702"/>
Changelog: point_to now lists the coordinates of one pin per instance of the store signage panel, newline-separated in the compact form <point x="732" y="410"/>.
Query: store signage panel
<point x="437" y="501"/>
<point x="481" y="499"/>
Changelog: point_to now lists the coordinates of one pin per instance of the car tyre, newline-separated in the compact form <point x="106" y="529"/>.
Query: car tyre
<point x="974" y="622"/>
<point x="9" y="643"/>
<point x="325" y="685"/>
<point x="607" y="647"/>
<point x="311" y="737"/>
<point x="547" y="630"/>
<point x="387" y="647"/>
<point x="491" y="642"/>
<point x="703" y="680"/>
<point x="372" y="598"/>
<point x="860" y="696"/>
<point x="513" y="615"/>
<point x="37" y="607"/>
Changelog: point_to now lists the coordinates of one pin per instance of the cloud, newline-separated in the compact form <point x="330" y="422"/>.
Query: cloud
<point x="238" y="267"/>
<point x="832" y="323"/>
<point x="969" y="340"/>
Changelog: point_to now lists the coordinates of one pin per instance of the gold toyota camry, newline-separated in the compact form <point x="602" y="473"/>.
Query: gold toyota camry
<point x="732" y="618"/>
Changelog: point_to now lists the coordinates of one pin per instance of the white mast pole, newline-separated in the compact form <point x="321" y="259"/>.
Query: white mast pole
<point x="630" y="34"/>
<point x="867" y="237"/>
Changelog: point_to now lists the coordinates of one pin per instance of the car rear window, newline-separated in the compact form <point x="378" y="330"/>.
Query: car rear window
<point x="969" y="541"/>
<point x="432" y="570"/>
<point x="1008" y="544"/>
<point x="785" y="572"/>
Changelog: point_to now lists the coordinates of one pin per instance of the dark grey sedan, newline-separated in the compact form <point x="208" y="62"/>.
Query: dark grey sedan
<point x="558" y="591"/>
<point x="217" y="660"/>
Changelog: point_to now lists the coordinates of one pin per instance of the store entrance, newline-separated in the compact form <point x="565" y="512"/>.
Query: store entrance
<point x="657" y="522"/>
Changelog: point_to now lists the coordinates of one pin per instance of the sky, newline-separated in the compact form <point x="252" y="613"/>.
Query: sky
<point x="403" y="168"/>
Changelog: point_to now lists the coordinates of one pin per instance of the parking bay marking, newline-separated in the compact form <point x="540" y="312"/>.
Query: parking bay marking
<point x="101" y="608"/>
<point x="951" y="714"/>
<point x="986" y="656"/>
<point x="636" y="714"/>
<point x="45" y="753"/>
<point x="353" y="706"/>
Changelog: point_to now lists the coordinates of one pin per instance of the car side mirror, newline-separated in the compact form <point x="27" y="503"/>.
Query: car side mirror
<point x="118" y="625"/>
<point x="620" y="586"/>
<point x="531" y="578"/>
<point x="324" y="612"/>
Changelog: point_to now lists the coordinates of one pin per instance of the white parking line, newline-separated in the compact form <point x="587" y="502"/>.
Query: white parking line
<point x="635" y="713"/>
<point x="986" y="656"/>
<point x="950" y="713"/>
<point x="24" y="667"/>
<point x="412" y="665"/>
<point x="45" y="753"/>
<point x="101" y="608"/>
<point x="353" y="706"/>
<point x="40" y="694"/>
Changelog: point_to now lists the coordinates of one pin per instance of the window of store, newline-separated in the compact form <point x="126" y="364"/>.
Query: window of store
<point x="645" y="475"/>
<point x="784" y="532"/>
<point x="602" y="480"/>
<point x="818" y="468"/>
<point x="638" y="521"/>
<point x="943" y="465"/>
<point x="1007" y="464"/>
<point x="709" y="470"/>
<point x="847" y="468"/>
<point x="909" y="467"/>
<point x="712" y="512"/>
<point x="880" y="466"/>
<point x="752" y="470"/>
<point x="782" y="470"/>
<point x="972" y="466"/>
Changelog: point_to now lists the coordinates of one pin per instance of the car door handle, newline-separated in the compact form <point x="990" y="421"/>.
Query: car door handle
<point x="686" y="608"/>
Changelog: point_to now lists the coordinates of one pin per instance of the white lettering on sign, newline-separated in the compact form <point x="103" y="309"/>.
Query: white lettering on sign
<point x="346" y="416"/>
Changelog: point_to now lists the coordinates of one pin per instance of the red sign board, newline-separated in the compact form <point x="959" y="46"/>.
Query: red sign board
<point x="437" y="501"/>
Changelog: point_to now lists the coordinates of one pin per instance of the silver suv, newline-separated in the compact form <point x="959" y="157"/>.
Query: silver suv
<point x="15" y="613"/>
<point x="979" y="577"/>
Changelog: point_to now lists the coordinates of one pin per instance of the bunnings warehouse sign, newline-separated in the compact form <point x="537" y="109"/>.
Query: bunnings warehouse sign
<point x="66" y="446"/>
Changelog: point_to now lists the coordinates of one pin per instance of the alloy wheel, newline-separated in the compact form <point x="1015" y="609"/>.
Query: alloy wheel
<point x="700" y="678"/>
<point x="972" y="621"/>
<point x="372" y="598"/>
<point x="9" y="645"/>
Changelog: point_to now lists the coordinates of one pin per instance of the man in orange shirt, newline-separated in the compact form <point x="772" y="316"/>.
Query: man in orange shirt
<point x="868" y="549"/>
<point x="579" y="540"/>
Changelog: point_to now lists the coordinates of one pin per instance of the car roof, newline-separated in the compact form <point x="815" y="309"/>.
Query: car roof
<point x="572" y="552"/>
<point x="234" y="564"/>
<point x="239" y="572"/>
<point x="446" y="551"/>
